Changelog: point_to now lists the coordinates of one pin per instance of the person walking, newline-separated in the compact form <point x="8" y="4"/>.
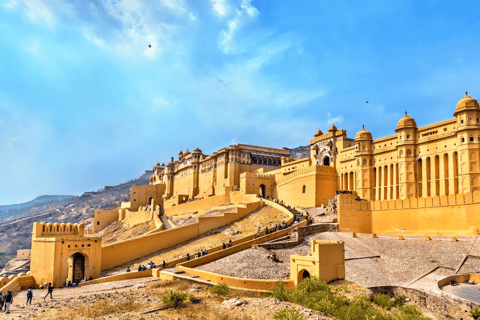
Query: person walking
<point x="29" y="295"/>
<point x="49" y="291"/>
<point x="2" y="302"/>
<point x="8" y="301"/>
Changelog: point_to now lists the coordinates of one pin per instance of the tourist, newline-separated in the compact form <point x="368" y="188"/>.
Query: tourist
<point x="50" y="290"/>
<point x="81" y="280"/>
<point x="8" y="301"/>
<point x="164" y="264"/>
<point x="128" y="269"/>
<point x="91" y="278"/>
<point x="206" y="252"/>
<point x="139" y="268"/>
<point x="149" y="266"/>
<point x="152" y="265"/>
<point x="29" y="295"/>
<point x="73" y="285"/>
<point x="70" y="284"/>
<point x="144" y="268"/>
<point x="266" y="230"/>
<point x="188" y="257"/>
<point x="223" y="245"/>
<point x="2" y="302"/>
<point x="230" y="243"/>
<point x="196" y="255"/>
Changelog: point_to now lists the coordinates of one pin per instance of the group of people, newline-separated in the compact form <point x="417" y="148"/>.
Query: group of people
<point x="149" y="266"/>
<point x="70" y="284"/>
<point x="6" y="300"/>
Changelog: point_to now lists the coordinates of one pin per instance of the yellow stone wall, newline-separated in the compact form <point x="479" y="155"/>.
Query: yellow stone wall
<point x="102" y="218"/>
<point x="53" y="246"/>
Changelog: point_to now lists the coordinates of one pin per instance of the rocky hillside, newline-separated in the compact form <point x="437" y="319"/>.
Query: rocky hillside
<point x="299" y="152"/>
<point x="39" y="204"/>
<point x="15" y="233"/>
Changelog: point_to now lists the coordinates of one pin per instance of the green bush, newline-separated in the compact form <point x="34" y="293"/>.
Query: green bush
<point x="410" y="310"/>
<point x="288" y="314"/>
<point x="221" y="288"/>
<point x="383" y="300"/>
<point x="475" y="313"/>
<point x="192" y="298"/>
<point x="399" y="301"/>
<point x="173" y="298"/>
<point x="280" y="292"/>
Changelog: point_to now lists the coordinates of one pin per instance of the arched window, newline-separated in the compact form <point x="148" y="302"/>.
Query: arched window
<point x="98" y="223"/>
<point x="304" y="188"/>
<point x="364" y="162"/>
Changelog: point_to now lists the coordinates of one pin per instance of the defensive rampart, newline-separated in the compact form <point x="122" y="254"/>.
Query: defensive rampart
<point x="198" y="205"/>
<point x="453" y="214"/>
<point x="128" y="250"/>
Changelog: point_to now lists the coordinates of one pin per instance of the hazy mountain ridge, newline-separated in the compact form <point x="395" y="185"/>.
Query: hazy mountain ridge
<point x="299" y="152"/>
<point x="15" y="233"/>
<point x="12" y="211"/>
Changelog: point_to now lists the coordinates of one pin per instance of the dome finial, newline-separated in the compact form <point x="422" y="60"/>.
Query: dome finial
<point x="363" y="126"/>
<point x="406" y="113"/>
<point x="466" y="93"/>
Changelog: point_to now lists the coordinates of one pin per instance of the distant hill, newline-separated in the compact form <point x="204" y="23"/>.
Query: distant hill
<point x="299" y="152"/>
<point x="12" y="211"/>
<point x="16" y="226"/>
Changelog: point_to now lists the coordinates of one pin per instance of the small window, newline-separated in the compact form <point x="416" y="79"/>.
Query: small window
<point x="408" y="136"/>
<point x="304" y="189"/>
<point x="461" y="121"/>
<point x="69" y="246"/>
<point x="471" y="139"/>
<point x="477" y="120"/>
<point x="98" y="223"/>
<point x="462" y="140"/>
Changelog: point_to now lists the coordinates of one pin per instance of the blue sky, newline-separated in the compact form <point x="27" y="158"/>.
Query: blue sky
<point x="85" y="103"/>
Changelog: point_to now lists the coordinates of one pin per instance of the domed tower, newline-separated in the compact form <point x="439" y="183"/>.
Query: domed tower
<point x="468" y="135"/>
<point x="314" y="147"/>
<point x="180" y="155"/>
<point x="363" y="156"/>
<point x="407" y="132"/>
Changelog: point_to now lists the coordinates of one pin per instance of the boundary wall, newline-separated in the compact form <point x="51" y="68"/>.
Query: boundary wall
<point x="119" y="277"/>
<point x="169" y="264"/>
<point x="124" y="251"/>
<point x="242" y="283"/>
<point x="198" y="205"/>
<point x="102" y="218"/>
<point x="453" y="214"/>
<point x="16" y="283"/>
<point x="460" y="278"/>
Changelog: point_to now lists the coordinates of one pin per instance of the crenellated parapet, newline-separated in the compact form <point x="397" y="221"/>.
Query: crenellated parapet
<point x="57" y="229"/>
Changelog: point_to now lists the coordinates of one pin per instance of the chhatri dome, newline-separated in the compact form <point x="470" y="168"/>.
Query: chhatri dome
<point x="406" y="122"/>
<point x="332" y="128"/>
<point x="186" y="153"/>
<point x="363" y="135"/>
<point x="318" y="133"/>
<point x="466" y="103"/>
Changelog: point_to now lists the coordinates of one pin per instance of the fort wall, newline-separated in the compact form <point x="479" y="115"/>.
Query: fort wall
<point x="121" y="252"/>
<point x="454" y="214"/>
<point x="102" y="218"/>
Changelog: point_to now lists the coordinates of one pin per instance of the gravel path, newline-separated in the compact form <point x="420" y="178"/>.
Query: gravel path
<point x="400" y="261"/>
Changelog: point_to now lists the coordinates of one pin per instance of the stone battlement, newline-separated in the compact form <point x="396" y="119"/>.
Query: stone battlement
<point x="57" y="229"/>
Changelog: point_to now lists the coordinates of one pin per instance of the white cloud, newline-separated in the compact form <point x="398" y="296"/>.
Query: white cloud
<point x="34" y="48"/>
<point x="219" y="6"/>
<point x="242" y="16"/>
<point x="37" y="10"/>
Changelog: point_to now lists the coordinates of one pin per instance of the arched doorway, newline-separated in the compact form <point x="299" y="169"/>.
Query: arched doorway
<point x="261" y="191"/>
<point x="326" y="161"/>
<point x="303" y="274"/>
<point x="78" y="267"/>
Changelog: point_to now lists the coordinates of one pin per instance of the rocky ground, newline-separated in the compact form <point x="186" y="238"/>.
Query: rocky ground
<point x="400" y="261"/>
<point x="138" y="299"/>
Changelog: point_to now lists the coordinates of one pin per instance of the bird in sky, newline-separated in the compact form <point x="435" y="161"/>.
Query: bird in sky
<point x="366" y="101"/>
<point x="149" y="45"/>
